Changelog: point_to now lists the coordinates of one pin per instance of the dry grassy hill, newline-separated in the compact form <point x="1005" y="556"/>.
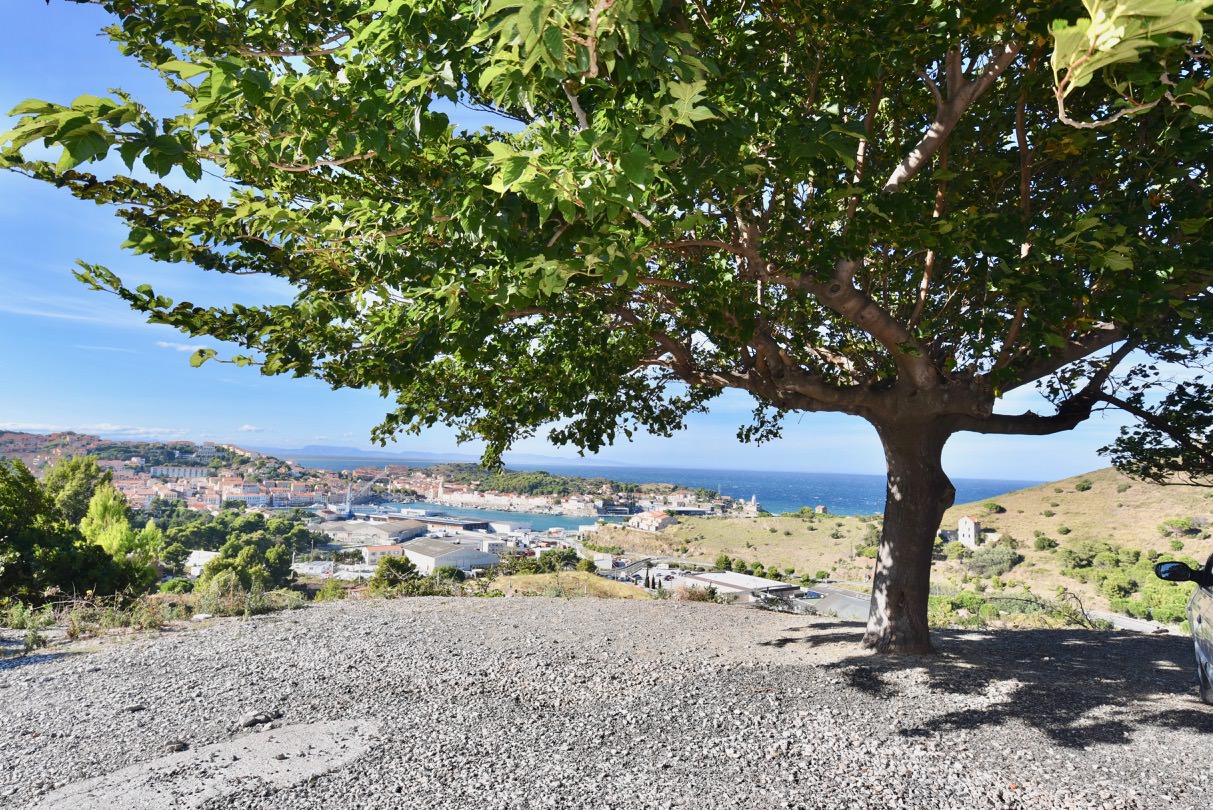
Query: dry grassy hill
<point x="1102" y="506"/>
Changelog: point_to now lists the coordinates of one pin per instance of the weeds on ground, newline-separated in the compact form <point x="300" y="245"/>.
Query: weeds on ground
<point x="972" y="610"/>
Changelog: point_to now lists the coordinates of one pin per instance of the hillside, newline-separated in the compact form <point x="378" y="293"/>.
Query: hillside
<point x="1087" y="512"/>
<point x="1101" y="507"/>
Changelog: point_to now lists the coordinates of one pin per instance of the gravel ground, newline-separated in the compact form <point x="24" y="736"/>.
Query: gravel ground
<point x="535" y="703"/>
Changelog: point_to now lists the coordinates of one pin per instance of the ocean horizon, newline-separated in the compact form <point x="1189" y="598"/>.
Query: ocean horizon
<point x="775" y="491"/>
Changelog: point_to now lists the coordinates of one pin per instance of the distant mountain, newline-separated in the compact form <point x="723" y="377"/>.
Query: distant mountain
<point x="334" y="451"/>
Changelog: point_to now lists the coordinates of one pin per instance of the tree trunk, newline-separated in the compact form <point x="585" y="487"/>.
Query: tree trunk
<point x="918" y="493"/>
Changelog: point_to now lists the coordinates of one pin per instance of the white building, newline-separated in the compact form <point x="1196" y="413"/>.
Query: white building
<point x="428" y="554"/>
<point x="197" y="561"/>
<point x="176" y="471"/>
<point x="373" y="554"/>
<point x="742" y="587"/>
<point x="968" y="531"/>
<point x="493" y="546"/>
<point x="653" y="521"/>
<point x="368" y="533"/>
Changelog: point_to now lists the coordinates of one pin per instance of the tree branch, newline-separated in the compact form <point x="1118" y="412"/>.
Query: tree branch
<point x="961" y="95"/>
<point x="1100" y="338"/>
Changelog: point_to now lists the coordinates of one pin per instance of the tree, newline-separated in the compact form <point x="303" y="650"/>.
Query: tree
<point x="40" y="552"/>
<point x="392" y="574"/>
<point x="71" y="482"/>
<point x="874" y="214"/>
<point x="106" y="523"/>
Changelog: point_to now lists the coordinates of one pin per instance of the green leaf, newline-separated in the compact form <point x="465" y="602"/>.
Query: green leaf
<point x="201" y="356"/>
<point x="635" y="165"/>
<point x="186" y="70"/>
<point x="553" y="41"/>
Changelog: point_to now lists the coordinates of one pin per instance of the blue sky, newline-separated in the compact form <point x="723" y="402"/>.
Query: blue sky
<point x="75" y="359"/>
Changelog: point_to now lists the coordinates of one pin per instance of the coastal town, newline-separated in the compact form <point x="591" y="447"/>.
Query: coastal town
<point x="209" y="475"/>
<point x="368" y="513"/>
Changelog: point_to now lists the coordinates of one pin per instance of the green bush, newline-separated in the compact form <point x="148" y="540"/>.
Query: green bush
<point x="1178" y="526"/>
<point x="707" y="594"/>
<point x="1177" y="545"/>
<point x="1063" y="530"/>
<point x="392" y="575"/>
<point x="1123" y="487"/>
<point x="1042" y="543"/>
<point x="176" y="585"/>
<point x="1048" y="513"/>
<point x="221" y="595"/>
<point x="993" y="560"/>
<point x="1083" y="485"/>
<point x="956" y="550"/>
<point x="331" y="591"/>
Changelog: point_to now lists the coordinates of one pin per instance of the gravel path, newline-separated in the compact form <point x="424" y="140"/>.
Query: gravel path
<point x="534" y="703"/>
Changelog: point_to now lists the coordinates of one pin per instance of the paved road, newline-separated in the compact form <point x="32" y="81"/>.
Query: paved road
<point x="843" y="603"/>
<point x="1128" y="623"/>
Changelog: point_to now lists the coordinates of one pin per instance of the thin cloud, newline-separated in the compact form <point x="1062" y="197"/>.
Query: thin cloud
<point x="104" y="349"/>
<point x="250" y="429"/>
<point x="108" y="430"/>
<point x="178" y="347"/>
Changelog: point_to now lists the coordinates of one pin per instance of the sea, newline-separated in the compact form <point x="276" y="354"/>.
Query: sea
<point x="775" y="491"/>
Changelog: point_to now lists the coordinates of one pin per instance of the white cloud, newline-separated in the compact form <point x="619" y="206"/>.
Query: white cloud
<point x="250" y="429"/>
<point x="104" y="349"/>
<point x="178" y="347"/>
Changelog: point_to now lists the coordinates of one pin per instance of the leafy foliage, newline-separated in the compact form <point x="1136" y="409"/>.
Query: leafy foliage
<point x="882" y="217"/>
<point x="71" y="482"/>
<point x="993" y="560"/>
<point x="41" y="553"/>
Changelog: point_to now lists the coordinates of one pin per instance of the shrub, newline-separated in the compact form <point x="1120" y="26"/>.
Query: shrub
<point x="221" y="595"/>
<point x="330" y="591"/>
<point x="993" y="508"/>
<point x="1043" y="543"/>
<point x="993" y="560"/>
<point x="1063" y="529"/>
<point x="176" y="585"/>
<point x="1123" y="487"/>
<point x="1048" y="513"/>
<point x="956" y="550"/>
<point x="1177" y="545"/>
<point x="454" y="574"/>
<point x="392" y="575"/>
<point x="821" y="575"/>
<point x="1178" y="526"/>
<point x="1083" y="485"/>
<point x="707" y="594"/>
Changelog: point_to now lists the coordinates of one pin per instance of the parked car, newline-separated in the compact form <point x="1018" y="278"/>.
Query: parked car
<point x="1200" y="615"/>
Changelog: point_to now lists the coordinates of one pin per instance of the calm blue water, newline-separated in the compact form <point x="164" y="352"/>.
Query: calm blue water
<point x="776" y="491"/>
<point x="522" y="520"/>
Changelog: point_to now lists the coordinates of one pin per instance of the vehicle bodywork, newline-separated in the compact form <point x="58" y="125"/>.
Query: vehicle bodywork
<point x="1200" y="616"/>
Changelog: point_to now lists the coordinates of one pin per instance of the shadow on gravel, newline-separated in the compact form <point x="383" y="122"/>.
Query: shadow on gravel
<point x="1079" y="687"/>
<point x="16" y="660"/>
<point x="820" y="634"/>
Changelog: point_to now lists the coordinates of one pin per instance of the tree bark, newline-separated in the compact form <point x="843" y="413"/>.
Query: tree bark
<point x="918" y="493"/>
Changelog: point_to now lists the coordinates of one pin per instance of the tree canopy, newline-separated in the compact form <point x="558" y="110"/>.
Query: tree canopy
<point x="876" y="214"/>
